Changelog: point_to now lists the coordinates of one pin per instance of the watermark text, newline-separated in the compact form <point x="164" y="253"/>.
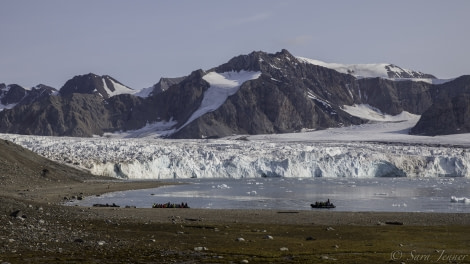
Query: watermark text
<point x="441" y="255"/>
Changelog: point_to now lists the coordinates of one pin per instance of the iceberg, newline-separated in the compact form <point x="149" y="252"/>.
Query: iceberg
<point x="464" y="200"/>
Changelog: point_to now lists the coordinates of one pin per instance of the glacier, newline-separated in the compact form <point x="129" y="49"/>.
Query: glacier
<point x="231" y="158"/>
<point x="376" y="149"/>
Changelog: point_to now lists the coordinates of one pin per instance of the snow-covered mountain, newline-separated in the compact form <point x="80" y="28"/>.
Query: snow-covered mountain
<point x="257" y="93"/>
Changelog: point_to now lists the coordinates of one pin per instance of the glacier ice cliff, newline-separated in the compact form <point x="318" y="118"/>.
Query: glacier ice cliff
<point x="225" y="158"/>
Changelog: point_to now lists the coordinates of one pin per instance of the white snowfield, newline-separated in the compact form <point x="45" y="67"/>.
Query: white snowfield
<point x="371" y="70"/>
<point x="378" y="149"/>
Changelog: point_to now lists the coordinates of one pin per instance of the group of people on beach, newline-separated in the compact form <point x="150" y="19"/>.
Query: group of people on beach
<point x="170" y="205"/>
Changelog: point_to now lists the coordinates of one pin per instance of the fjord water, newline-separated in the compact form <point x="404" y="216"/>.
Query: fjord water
<point x="348" y="194"/>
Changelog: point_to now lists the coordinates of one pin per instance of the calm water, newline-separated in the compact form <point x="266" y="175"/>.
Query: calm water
<point x="377" y="194"/>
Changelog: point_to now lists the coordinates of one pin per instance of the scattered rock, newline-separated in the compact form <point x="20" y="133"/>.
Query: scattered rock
<point x="240" y="239"/>
<point x="200" y="249"/>
<point x="330" y="228"/>
<point x="284" y="249"/>
<point x="78" y="240"/>
<point x="101" y="243"/>
<point x="244" y="261"/>
<point x="310" y="238"/>
<point x="17" y="213"/>
<point x="268" y="237"/>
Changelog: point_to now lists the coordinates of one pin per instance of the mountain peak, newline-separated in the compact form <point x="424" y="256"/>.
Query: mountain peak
<point x="90" y="83"/>
<point x="258" y="61"/>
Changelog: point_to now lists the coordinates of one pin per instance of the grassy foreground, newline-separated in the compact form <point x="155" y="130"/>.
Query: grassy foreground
<point x="196" y="242"/>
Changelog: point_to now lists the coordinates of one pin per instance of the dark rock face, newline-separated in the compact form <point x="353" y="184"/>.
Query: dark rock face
<point x="394" y="97"/>
<point x="447" y="116"/>
<point x="75" y="115"/>
<point x="165" y="83"/>
<point x="37" y="93"/>
<point x="14" y="94"/>
<point x="449" y="113"/>
<point x="11" y="94"/>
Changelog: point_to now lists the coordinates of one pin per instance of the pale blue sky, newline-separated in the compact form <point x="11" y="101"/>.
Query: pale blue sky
<point x="137" y="42"/>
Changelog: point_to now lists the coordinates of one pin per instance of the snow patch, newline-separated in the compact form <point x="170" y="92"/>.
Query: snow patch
<point x="155" y="129"/>
<point x="145" y="92"/>
<point x="116" y="88"/>
<point x="8" y="106"/>
<point x="368" y="112"/>
<point x="222" y="85"/>
<point x="357" y="70"/>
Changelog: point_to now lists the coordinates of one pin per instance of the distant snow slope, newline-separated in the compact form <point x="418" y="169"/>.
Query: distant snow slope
<point x="379" y="149"/>
<point x="145" y="92"/>
<point x="368" y="112"/>
<point x="373" y="70"/>
<point x="358" y="70"/>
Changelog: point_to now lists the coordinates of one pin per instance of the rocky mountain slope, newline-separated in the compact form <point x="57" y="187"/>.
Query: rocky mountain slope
<point x="444" y="117"/>
<point x="257" y="93"/>
<point x="13" y="94"/>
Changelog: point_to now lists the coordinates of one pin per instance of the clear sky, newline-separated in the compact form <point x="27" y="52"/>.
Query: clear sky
<point x="138" y="42"/>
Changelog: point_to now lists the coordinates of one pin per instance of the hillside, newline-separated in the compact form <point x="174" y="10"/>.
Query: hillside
<point x="22" y="167"/>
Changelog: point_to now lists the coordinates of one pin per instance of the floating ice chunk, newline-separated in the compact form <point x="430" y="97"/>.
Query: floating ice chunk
<point x="381" y="194"/>
<point x="399" y="205"/>
<point x="464" y="200"/>
<point x="221" y="186"/>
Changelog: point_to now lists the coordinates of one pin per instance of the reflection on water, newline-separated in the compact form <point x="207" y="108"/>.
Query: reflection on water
<point x="377" y="194"/>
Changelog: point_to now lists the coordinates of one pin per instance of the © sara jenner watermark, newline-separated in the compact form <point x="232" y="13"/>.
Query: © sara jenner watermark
<point x="441" y="255"/>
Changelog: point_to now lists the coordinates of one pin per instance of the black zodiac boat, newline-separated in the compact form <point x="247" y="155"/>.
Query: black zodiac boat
<point x="323" y="205"/>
